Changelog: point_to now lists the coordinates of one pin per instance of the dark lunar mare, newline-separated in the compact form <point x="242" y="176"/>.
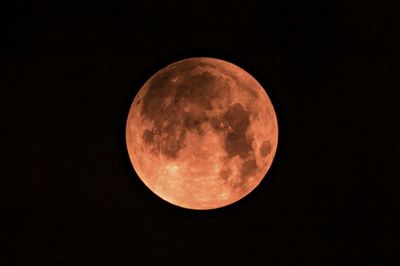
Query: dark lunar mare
<point x="187" y="86"/>
<point x="266" y="148"/>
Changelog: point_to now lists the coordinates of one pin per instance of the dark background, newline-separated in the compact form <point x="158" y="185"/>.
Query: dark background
<point x="70" y="196"/>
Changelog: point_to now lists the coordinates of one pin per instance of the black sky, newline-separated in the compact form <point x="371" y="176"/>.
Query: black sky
<point x="69" y="194"/>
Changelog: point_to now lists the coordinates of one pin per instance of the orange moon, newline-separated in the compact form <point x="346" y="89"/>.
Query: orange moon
<point x="201" y="133"/>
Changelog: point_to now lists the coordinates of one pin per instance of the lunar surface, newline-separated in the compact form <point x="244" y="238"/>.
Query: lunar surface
<point x="201" y="133"/>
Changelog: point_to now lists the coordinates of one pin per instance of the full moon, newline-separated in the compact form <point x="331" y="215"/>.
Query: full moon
<point x="201" y="133"/>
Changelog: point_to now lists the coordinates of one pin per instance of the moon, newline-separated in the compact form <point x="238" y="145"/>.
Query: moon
<point x="201" y="133"/>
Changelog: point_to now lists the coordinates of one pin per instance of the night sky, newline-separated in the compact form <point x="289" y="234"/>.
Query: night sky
<point x="69" y="194"/>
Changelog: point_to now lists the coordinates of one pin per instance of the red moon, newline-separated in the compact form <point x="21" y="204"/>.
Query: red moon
<point x="201" y="133"/>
